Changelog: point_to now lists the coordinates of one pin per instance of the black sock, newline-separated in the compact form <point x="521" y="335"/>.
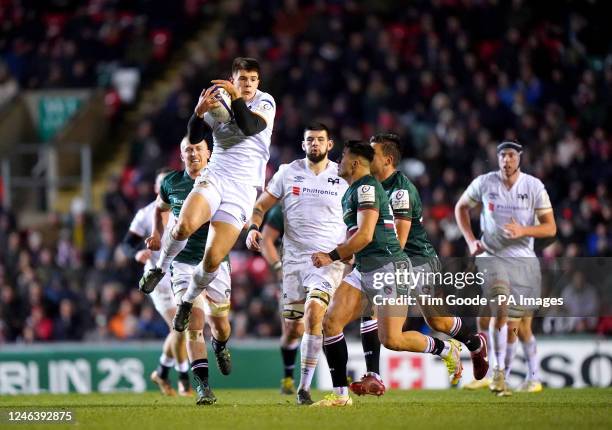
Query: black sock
<point x="200" y="369"/>
<point x="466" y="333"/>
<point x="184" y="376"/>
<point x="438" y="346"/>
<point x="288" y="355"/>
<point x="337" y="357"/>
<point x="218" y="345"/>
<point x="370" y="344"/>
<point x="163" y="371"/>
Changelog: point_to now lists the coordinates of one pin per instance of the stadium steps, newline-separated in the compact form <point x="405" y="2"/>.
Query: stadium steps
<point x="150" y="97"/>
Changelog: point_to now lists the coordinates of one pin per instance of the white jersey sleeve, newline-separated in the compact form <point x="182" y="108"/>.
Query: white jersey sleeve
<point x="140" y="225"/>
<point x="542" y="200"/>
<point x="265" y="108"/>
<point x="474" y="190"/>
<point x="276" y="185"/>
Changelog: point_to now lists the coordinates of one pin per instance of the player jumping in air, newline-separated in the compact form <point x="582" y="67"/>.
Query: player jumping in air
<point x="224" y="193"/>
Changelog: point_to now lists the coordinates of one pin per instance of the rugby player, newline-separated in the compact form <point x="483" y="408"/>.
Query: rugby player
<point x="515" y="209"/>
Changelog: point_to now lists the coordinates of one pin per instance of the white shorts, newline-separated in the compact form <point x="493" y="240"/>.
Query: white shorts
<point x="230" y="202"/>
<point x="300" y="278"/>
<point x="217" y="294"/>
<point x="515" y="277"/>
<point x="162" y="296"/>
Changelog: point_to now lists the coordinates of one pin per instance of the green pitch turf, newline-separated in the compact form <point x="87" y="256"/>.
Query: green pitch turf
<point x="266" y="409"/>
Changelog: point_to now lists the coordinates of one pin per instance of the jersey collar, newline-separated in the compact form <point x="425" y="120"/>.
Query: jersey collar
<point x="387" y="182"/>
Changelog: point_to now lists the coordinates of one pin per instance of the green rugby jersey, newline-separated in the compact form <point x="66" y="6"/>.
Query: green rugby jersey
<point x="368" y="193"/>
<point x="406" y="204"/>
<point x="274" y="218"/>
<point x="174" y="190"/>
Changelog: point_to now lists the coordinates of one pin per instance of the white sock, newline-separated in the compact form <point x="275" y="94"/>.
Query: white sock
<point x="531" y="354"/>
<point x="500" y="339"/>
<point x="182" y="367"/>
<point x="309" y="351"/>
<point x="510" y="351"/>
<point x="170" y="249"/>
<point x="341" y="391"/>
<point x="166" y="361"/>
<point x="199" y="281"/>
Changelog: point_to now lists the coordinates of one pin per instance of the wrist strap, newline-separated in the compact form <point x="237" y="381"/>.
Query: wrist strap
<point x="253" y="227"/>
<point x="334" y="255"/>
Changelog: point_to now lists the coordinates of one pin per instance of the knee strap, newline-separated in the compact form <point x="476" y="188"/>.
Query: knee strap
<point x="293" y="311"/>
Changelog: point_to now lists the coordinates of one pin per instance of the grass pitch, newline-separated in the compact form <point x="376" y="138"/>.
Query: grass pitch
<point x="266" y="409"/>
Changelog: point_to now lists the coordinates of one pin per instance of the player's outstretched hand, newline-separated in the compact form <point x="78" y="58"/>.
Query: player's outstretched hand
<point x="252" y="240"/>
<point x="320" y="259"/>
<point x="153" y="243"/>
<point x="207" y="101"/>
<point x="513" y="230"/>
<point x="476" y="247"/>
<point x="228" y="86"/>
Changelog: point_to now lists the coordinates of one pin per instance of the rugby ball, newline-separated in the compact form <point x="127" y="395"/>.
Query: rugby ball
<point x="223" y="112"/>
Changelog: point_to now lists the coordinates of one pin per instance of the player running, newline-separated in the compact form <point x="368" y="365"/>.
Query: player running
<point x="225" y="192"/>
<point x="174" y="353"/>
<point x="214" y="303"/>
<point x="407" y="214"/>
<point x="311" y="194"/>
<point x="515" y="209"/>
<point x="378" y="258"/>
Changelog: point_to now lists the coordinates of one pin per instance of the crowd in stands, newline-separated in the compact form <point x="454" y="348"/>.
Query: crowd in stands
<point x="452" y="78"/>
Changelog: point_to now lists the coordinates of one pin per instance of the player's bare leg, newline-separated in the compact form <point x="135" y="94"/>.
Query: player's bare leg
<point x="221" y="330"/>
<point x="195" y="212"/>
<point x="292" y="331"/>
<point x="312" y="341"/>
<point x="532" y="383"/>
<point x="345" y="306"/>
<point x="221" y="238"/>
<point x="196" y="349"/>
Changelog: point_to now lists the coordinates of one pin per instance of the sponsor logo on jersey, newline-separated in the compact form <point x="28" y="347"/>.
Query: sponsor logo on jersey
<point x="295" y="191"/>
<point x="317" y="192"/>
<point x="366" y="194"/>
<point x="299" y="178"/>
<point x="491" y="206"/>
<point x="492" y="196"/>
<point x="521" y="196"/>
<point x="243" y="218"/>
<point x="333" y="181"/>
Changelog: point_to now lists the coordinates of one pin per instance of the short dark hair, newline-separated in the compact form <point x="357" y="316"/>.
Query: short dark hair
<point x="360" y="148"/>
<point x="317" y="126"/>
<point x="391" y="146"/>
<point x="245" y="63"/>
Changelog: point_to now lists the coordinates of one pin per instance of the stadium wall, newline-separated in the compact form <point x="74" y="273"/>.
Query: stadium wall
<point x="111" y="367"/>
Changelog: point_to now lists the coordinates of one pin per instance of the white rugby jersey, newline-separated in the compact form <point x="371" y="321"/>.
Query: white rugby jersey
<point x="312" y="208"/>
<point x="142" y="225"/>
<point x="243" y="158"/>
<point x="523" y="202"/>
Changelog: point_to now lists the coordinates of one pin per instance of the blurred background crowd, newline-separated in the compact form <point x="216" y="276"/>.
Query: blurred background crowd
<point x="451" y="77"/>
